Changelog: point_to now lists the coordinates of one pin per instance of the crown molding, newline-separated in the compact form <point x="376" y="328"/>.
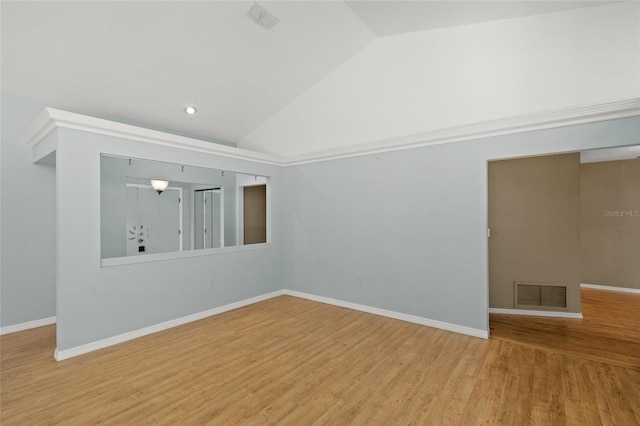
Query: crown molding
<point x="51" y="118"/>
<point x="510" y="125"/>
<point x="41" y="127"/>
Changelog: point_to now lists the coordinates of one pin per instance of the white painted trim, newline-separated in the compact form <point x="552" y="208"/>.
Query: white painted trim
<point x="110" y="341"/>
<point x="268" y="212"/>
<point x="392" y="314"/>
<point x="556" y="314"/>
<point x="610" y="154"/>
<point x="51" y="118"/>
<point x="240" y="215"/>
<point x="41" y="127"/>
<point x="27" y="325"/>
<point x="156" y="257"/>
<point x="222" y="217"/>
<point x="509" y="125"/>
<point x="611" y="288"/>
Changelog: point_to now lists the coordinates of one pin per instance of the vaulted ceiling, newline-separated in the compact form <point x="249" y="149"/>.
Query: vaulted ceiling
<point x="398" y="17"/>
<point x="143" y="62"/>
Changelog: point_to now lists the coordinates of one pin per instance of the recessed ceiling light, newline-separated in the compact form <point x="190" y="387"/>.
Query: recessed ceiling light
<point x="190" y="110"/>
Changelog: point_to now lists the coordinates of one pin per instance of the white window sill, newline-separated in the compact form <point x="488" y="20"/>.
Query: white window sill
<point x="157" y="257"/>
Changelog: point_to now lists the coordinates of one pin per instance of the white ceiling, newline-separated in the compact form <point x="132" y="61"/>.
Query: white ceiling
<point x="143" y="62"/>
<point x="396" y="17"/>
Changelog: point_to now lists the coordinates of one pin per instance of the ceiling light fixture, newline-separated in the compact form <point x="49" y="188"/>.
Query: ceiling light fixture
<point x="190" y="110"/>
<point x="159" y="185"/>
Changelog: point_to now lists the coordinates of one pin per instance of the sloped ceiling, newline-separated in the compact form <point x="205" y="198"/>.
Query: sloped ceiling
<point x="143" y="62"/>
<point x="398" y="17"/>
<point x="411" y="87"/>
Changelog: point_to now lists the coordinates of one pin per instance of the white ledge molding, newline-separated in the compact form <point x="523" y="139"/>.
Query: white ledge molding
<point x="156" y="257"/>
<point x="504" y="126"/>
<point x="50" y="119"/>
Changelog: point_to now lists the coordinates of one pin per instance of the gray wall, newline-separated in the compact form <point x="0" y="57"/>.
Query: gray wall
<point x="28" y="254"/>
<point x="406" y="230"/>
<point x="28" y="217"/>
<point x="28" y="221"/>
<point x="95" y="302"/>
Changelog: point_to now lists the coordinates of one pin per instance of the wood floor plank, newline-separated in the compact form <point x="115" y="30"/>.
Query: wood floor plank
<point x="289" y="361"/>
<point x="609" y="331"/>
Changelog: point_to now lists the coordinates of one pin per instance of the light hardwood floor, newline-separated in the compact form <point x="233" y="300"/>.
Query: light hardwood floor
<point x="609" y="331"/>
<point x="295" y="362"/>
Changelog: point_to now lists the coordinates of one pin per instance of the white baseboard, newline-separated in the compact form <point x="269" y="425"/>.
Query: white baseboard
<point x="27" y="325"/>
<point x="114" y="340"/>
<point x="611" y="288"/>
<point x="392" y="314"/>
<point x="556" y="314"/>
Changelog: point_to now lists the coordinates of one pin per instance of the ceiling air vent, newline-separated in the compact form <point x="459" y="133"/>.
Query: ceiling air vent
<point x="547" y="295"/>
<point x="260" y="16"/>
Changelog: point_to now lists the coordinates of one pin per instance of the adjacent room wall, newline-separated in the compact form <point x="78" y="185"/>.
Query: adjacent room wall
<point x="406" y="231"/>
<point x="534" y="206"/>
<point x="610" y="223"/>
<point x="424" y="81"/>
<point x="254" y="201"/>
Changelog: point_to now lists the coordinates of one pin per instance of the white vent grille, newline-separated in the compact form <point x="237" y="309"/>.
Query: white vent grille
<point x="541" y="295"/>
<point x="260" y="16"/>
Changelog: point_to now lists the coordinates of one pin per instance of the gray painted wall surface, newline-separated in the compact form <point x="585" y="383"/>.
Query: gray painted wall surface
<point x="94" y="303"/>
<point x="28" y="261"/>
<point x="28" y="217"/>
<point x="406" y="230"/>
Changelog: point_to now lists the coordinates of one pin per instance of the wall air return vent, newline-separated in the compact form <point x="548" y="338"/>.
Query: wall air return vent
<point x="541" y="295"/>
<point x="260" y="16"/>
